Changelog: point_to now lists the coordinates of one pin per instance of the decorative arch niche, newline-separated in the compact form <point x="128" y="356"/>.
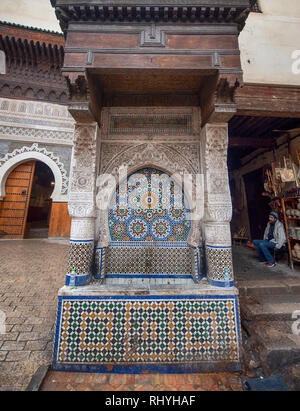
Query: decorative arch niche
<point x="157" y="156"/>
<point x="12" y="160"/>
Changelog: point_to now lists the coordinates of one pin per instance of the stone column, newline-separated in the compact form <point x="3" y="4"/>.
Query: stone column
<point x="217" y="204"/>
<point x="82" y="205"/>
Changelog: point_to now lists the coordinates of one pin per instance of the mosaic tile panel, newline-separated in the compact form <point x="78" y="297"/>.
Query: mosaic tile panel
<point x="149" y="261"/>
<point x="149" y="330"/>
<point x="80" y="257"/>
<point x="219" y="263"/>
<point x="149" y="206"/>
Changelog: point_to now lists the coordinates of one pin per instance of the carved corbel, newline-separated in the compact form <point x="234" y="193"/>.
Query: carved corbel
<point x="79" y="97"/>
<point x="77" y="86"/>
<point x="219" y="104"/>
<point x="225" y="90"/>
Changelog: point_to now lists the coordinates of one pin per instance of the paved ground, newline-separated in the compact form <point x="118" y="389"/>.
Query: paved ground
<point x="61" y="381"/>
<point x="31" y="273"/>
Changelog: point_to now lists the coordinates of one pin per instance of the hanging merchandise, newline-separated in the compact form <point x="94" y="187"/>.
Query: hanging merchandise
<point x="287" y="173"/>
<point x="268" y="186"/>
<point x="298" y="157"/>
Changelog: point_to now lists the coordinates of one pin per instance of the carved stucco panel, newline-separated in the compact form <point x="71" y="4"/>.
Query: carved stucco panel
<point x="85" y="147"/>
<point x="217" y="183"/>
<point x="82" y="185"/>
<point x="82" y="229"/>
<point x="82" y="209"/>
<point x="214" y="140"/>
<point x="218" y="212"/>
<point x="217" y="234"/>
<point x="149" y="153"/>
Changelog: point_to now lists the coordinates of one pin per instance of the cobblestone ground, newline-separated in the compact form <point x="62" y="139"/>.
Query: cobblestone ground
<point x="31" y="272"/>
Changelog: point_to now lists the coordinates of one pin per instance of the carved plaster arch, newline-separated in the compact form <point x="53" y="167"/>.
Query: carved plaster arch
<point x="141" y="154"/>
<point x="18" y="156"/>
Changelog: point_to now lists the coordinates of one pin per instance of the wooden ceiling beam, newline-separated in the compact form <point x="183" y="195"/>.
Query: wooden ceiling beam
<point x="250" y="142"/>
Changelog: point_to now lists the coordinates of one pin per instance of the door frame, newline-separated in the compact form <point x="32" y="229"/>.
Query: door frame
<point x="61" y="180"/>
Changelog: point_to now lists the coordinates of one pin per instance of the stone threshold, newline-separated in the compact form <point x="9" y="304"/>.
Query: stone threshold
<point x="94" y="290"/>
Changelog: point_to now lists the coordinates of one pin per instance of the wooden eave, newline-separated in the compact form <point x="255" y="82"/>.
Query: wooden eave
<point x="31" y="34"/>
<point x="173" y="11"/>
<point x="25" y="46"/>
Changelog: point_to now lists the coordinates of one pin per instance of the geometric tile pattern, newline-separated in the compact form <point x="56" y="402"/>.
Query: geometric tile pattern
<point x="80" y="257"/>
<point x="149" y="206"/>
<point x="219" y="262"/>
<point x="147" y="330"/>
<point x="100" y="254"/>
<point x="148" y="261"/>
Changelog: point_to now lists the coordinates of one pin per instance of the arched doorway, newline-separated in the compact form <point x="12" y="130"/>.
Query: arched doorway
<point x="39" y="209"/>
<point x="25" y="209"/>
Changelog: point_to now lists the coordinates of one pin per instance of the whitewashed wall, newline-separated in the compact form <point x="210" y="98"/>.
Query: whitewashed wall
<point x="33" y="13"/>
<point x="268" y="42"/>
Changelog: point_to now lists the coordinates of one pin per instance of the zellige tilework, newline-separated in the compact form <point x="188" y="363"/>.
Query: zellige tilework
<point x="147" y="330"/>
<point x="149" y="206"/>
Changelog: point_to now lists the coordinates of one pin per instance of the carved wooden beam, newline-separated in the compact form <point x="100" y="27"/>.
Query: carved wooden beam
<point x="268" y="100"/>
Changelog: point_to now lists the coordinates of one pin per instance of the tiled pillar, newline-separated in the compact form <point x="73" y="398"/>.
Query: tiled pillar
<point x="82" y="205"/>
<point x="217" y="205"/>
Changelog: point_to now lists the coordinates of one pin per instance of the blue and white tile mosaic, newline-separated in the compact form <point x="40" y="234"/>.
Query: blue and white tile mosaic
<point x="149" y="206"/>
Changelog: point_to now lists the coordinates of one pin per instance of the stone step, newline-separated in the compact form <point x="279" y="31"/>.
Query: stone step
<point x="270" y="308"/>
<point x="282" y="286"/>
<point x="277" y="343"/>
<point x="291" y="377"/>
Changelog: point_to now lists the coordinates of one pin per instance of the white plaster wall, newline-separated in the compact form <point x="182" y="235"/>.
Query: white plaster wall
<point x="32" y="13"/>
<point x="268" y="41"/>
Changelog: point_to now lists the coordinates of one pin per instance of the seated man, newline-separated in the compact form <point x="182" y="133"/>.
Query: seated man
<point x="274" y="237"/>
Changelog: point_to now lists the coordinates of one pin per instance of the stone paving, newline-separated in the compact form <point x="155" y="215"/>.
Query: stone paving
<point x="62" y="381"/>
<point x="31" y="273"/>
